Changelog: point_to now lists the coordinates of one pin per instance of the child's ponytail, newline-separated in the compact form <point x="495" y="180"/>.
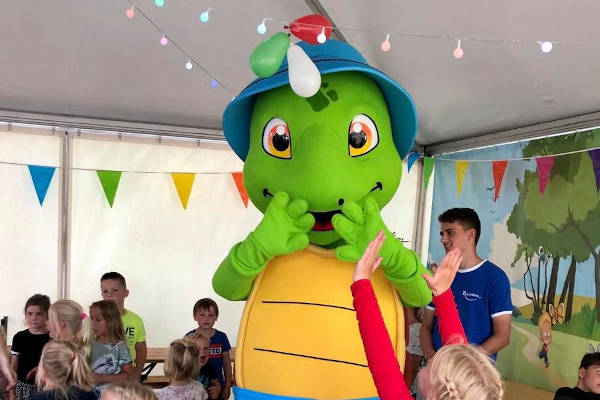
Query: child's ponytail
<point x="71" y="313"/>
<point x="62" y="364"/>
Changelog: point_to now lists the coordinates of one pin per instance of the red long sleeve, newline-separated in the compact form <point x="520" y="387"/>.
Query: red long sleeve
<point x="451" y="329"/>
<point x="381" y="358"/>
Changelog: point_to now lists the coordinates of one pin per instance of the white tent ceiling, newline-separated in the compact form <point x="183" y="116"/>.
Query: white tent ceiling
<point x="86" y="58"/>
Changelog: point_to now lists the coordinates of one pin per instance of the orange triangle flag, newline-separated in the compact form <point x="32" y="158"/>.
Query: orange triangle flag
<point x="238" y="177"/>
<point x="183" y="183"/>
<point x="498" y="169"/>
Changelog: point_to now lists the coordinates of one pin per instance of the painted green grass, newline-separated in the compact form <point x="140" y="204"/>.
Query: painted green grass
<point x="519" y="361"/>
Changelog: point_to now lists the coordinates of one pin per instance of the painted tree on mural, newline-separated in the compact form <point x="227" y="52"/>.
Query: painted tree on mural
<point x="564" y="220"/>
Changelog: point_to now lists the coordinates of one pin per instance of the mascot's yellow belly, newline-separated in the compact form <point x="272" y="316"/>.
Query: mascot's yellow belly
<point x="299" y="335"/>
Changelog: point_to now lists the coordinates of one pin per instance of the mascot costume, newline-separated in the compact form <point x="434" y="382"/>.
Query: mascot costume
<point x="322" y="135"/>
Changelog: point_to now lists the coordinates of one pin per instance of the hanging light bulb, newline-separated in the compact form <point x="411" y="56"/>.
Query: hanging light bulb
<point x="546" y="47"/>
<point x="188" y="65"/>
<point x="214" y="83"/>
<point x="163" y="40"/>
<point x="130" y="13"/>
<point x="458" y="51"/>
<point x="385" y="45"/>
<point x="159" y="3"/>
<point x="262" y="28"/>
<point x="204" y="17"/>
<point x="322" y="38"/>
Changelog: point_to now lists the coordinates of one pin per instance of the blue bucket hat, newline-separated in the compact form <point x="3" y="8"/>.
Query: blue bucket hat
<point x="332" y="56"/>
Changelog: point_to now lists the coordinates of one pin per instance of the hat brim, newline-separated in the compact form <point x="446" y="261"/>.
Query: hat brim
<point x="403" y="116"/>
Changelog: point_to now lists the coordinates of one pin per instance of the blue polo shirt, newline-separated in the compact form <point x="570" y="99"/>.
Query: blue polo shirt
<point x="481" y="293"/>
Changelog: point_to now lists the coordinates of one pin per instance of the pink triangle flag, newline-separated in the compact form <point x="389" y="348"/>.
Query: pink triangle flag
<point x="544" y="167"/>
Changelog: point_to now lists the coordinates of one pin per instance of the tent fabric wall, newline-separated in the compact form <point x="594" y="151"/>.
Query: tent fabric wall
<point x="167" y="254"/>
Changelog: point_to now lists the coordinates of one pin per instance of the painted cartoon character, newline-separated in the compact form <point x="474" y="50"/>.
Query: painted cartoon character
<point x="319" y="169"/>
<point x="545" y="325"/>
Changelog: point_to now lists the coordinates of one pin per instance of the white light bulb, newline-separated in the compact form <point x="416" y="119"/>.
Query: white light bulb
<point x="188" y="65"/>
<point x="458" y="51"/>
<point x="546" y="47"/>
<point x="262" y="28"/>
<point x="322" y="38"/>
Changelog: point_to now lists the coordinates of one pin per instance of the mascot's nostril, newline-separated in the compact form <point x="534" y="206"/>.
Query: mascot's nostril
<point x="341" y="202"/>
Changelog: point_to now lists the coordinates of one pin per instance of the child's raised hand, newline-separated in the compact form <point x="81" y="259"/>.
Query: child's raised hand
<point x="444" y="274"/>
<point x="370" y="260"/>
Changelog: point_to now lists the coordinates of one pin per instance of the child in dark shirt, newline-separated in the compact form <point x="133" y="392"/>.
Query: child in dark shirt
<point x="588" y="385"/>
<point x="27" y="345"/>
<point x="208" y="376"/>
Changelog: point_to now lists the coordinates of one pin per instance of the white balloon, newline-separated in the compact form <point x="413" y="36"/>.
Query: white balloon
<point x="305" y="78"/>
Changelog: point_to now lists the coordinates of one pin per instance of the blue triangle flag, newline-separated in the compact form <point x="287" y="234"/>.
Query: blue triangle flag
<point x="41" y="177"/>
<point x="412" y="157"/>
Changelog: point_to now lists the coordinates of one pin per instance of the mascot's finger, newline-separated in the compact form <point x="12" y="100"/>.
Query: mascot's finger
<point x="296" y="243"/>
<point x="347" y="253"/>
<point x="353" y="212"/>
<point x="371" y="208"/>
<point x="344" y="227"/>
<point x="280" y="200"/>
<point x="305" y="222"/>
<point x="297" y="207"/>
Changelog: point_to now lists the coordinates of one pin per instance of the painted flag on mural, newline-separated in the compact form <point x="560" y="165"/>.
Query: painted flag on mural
<point x="498" y="169"/>
<point x="41" y="177"/>
<point x="183" y="183"/>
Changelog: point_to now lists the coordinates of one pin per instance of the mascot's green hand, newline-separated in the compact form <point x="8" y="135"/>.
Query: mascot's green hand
<point x="358" y="226"/>
<point x="283" y="230"/>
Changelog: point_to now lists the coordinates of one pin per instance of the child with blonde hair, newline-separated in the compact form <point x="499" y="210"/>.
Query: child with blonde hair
<point x="110" y="358"/>
<point x="67" y="321"/>
<point x="457" y="371"/>
<point x="183" y="366"/>
<point x="27" y="345"/>
<point x="128" y="390"/>
<point x="208" y="376"/>
<point x="63" y="373"/>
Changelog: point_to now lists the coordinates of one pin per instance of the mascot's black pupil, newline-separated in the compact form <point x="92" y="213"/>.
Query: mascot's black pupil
<point x="357" y="139"/>
<point x="281" y="142"/>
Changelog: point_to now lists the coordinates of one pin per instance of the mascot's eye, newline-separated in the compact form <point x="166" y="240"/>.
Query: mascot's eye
<point x="362" y="135"/>
<point x="276" y="139"/>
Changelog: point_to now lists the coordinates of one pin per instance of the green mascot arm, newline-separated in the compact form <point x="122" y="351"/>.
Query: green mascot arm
<point x="358" y="226"/>
<point x="283" y="230"/>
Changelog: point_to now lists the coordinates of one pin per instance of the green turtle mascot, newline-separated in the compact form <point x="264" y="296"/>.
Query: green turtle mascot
<point x="319" y="168"/>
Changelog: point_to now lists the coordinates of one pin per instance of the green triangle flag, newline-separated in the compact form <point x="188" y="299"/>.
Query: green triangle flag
<point x="110" y="183"/>
<point x="428" y="163"/>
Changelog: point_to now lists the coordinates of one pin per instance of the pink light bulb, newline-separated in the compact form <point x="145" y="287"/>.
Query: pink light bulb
<point x="458" y="52"/>
<point x="385" y="45"/>
<point x="164" y="41"/>
<point x="130" y="14"/>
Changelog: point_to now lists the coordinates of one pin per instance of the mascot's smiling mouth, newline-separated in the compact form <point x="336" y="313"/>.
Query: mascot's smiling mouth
<point x="323" y="219"/>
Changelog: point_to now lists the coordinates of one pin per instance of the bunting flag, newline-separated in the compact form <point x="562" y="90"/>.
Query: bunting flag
<point x="41" y="177"/>
<point x="412" y="157"/>
<point x="428" y="163"/>
<point x="544" y="167"/>
<point x="238" y="177"/>
<point x="461" y="170"/>
<point x="110" y="183"/>
<point x="595" y="156"/>
<point x="498" y="169"/>
<point x="183" y="183"/>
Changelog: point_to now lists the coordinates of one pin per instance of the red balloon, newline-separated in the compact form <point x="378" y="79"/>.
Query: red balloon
<point x="309" y="27"/>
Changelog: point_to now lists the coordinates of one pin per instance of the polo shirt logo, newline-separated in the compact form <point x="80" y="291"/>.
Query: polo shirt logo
<point x="471" y="296"/>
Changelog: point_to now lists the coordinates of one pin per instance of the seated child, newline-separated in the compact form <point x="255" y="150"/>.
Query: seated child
<point x="457" y="371"/>
<point x="67" y="321"/>
<point x="206" y="313"/>
<point x="588" y="385"/>
<point x="27" y="345"/>
<point x="114" y="287"/>
<point x="64" y="374"/>
<point x="8" y="378"/>
<point x="110" y="359"/>
<point x="182" y="366"/>
<point x="128" y="390"/>
<point x="208" y="375"/>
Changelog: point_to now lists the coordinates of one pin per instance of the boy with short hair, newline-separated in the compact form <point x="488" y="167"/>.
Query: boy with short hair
<point x="208" y="375"/>
<point x="588" y="385"/>
<point x="114" y="287"/>
<point x="206" y="312"/>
